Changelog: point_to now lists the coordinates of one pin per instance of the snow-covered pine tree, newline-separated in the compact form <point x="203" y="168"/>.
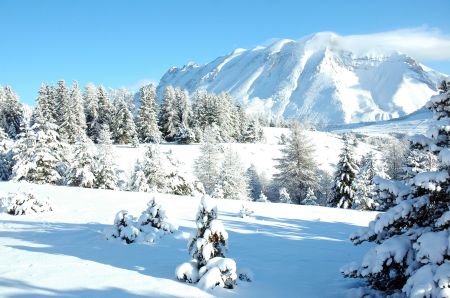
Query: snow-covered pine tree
<point x="73" y="126"/>
<point x="262" y="198"/>
<point x="138" y="181"/>
<point x="105" y="176"/>
<point x="253" y="132"/>
<point x="62" y="107"/>
<point x="284" y="196"/>
<point x="418" y="161"/>
<point x="297" y="169"/>
<point x="153" y="169"/>
<point x="45" y="105"/>
<point x="83" y="168"/>
<point x="412" y="248"/>
<point x="169" y="120"/>
<point x="206" y="166"/>
<point x="394" y="155"/>
<point x="11" y="113"/>
<point x="40" y="155"/>
<point x="5" y="156"/>
<point x="78" y="108"/>
<point x="184" y="135"/>
<point x="310" y="198"/>
<point x="253" y="182"/>
<point x="211" y="238"/>
<point x="105" y="109"/>
<point x="347" y="168"/>
<point x="364" y="185"/>
<point x="91" y="112"/>
<point x="147" y="119"/>
<point x="232" y="180"/>
<point x="123" y="128"/>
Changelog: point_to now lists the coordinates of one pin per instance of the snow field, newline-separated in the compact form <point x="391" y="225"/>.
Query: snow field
<point x="291" y="250"/>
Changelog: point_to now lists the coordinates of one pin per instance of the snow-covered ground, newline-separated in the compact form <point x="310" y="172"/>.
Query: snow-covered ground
<point x="293" y="251"/>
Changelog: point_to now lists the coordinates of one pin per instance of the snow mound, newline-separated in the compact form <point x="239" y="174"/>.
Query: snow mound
<point x="22" y="203"/>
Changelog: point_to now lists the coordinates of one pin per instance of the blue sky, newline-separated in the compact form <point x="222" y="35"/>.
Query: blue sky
<point x="125" y="43"/>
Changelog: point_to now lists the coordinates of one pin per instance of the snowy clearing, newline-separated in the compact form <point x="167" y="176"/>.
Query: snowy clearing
<point x="292" y="251"/>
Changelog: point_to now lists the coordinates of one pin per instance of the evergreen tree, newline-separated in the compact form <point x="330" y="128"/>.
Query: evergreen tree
<point x="364" y="185"/>
<point x="284" y="196"/>
<point x="184" y="134"/>
<point x="11" y="113"/>
<point x="5" y="156"/>
<point x="40" y="155"/>
<point x="124" y="130"/>
<point x="310" y="198"/>
<point x="138" y="181"/>
<point x="147" y="120"/>
<point x="254" y="182"/>
<point x="394" y="154"/>
<point x="253" y="133"/>
<point x="82" y="169"/>
<point x="211" y="238"/>
<point x="105" y="109"/>
<point x="232" y="180"/>
<point x="297" y="169"/>
<point x="91" y="112"/>
<point x="169" y="118"/>
<point x="74" y="124"/>
<point x="347" y="168"/>
<point x="412" y="249"/>
<point x="45" y="105"/>
<point x="106" y="177"/>
<point x="206" y="166"/>
<point x="62" y="108"/>
<point x="153" y="170"/>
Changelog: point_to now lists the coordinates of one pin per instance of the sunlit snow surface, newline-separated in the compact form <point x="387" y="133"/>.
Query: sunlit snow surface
<point x="292" y="250"/>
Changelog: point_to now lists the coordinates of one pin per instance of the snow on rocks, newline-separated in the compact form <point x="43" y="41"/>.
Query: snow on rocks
<point x="22" y="203"/>
<point x="151" y="225"/>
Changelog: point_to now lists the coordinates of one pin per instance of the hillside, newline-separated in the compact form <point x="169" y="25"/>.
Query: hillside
<point x="316" y="79"/>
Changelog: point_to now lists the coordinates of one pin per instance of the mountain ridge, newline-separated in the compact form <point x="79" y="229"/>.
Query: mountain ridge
<point x="317" y="79"/>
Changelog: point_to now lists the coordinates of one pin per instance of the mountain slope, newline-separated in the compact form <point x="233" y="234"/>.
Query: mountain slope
<point x="315" y="79"/>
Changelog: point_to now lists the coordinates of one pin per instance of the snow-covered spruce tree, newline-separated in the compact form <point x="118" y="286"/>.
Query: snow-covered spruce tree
<point x="418" y="161"/>
<point x="123" y="127"/>
<point x="147" y="119"/>
<point x="253" y="133"/>
<point x="232" y="180"/>
<point x="11" y="113"/>
<point x="82" y="169"/>
<point x="284" y="196"/>
<point x="297" y="169"/>
<point x="62" y="107"/>
<point x="45" y="105"/>
<point x="105" y="176"/>
<point x="206" y="166"/>
<point x="347" y="168"/>
<point x="394" y="155"/>
<point x="262" y="198"/>
<point x="253" y="182"/>
<point x="138" y="181"/>
<point x="169" y="120"/>
<point x="125" y="227"/>
<point x="179" y="181"/>
<point x="105" y="109"/>
<point x="184" y="134"/>
<point x="364" y="185"/>
<point x="153" y="168"/>
<point x="73" y="127"/>
<point x="155" y="217"/>
<point x="5" y="156"/>
<point x="412" y="251"/>
<point x="39" y="155"/>
<point x="310" y="198"/>
<point x="91" y="111"/>
<point x="209" y="266"/>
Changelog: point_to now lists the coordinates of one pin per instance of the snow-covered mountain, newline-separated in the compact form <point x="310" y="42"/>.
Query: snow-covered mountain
<point x="319" y="79"/>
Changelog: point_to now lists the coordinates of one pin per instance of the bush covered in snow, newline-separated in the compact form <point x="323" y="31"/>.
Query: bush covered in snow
<point x="413" y="248"/>
<point x="209" y="266"/>
<point x="151" y="225"/>
<point x="245" y="211"/>
<point x="23" y="203"/>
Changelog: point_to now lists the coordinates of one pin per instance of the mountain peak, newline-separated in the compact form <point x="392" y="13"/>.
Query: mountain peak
<point x="320" y="78"/>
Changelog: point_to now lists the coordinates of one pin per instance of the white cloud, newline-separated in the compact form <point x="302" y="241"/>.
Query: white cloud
<point x="423" y="43"/>
<point x="142" y="82"/>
